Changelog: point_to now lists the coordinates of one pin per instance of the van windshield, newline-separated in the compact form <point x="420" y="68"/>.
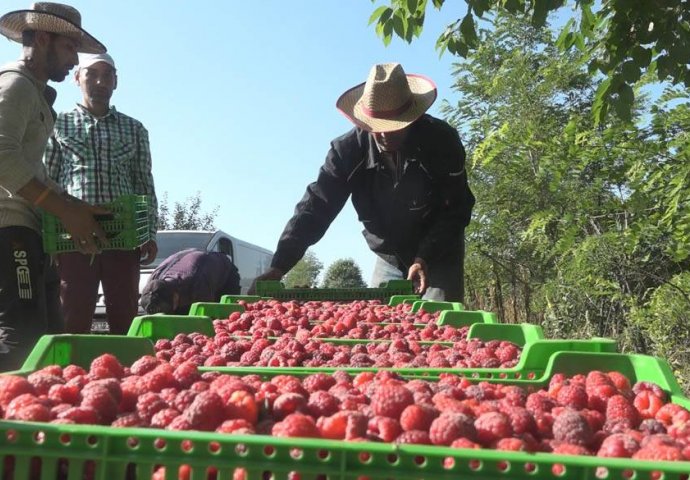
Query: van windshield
<point x="173" y="242"/>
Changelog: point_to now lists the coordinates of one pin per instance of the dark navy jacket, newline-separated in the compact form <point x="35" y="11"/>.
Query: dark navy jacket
<point x="419" y="211"/>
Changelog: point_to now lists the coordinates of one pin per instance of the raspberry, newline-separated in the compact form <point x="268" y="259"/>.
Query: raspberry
<point x="564" y="448"/>
<point x="464" y="443"/>
<point x="288" y="403"/>
<point x="390" y="400"/>
<point x="288" y="384"/>
<point x="42" y="381"/>
<point x="571" y="427"/>
<point x="71" y="371"/>
<point x="668" y="414"/>
<point x="333" y="427"/>
<point x="236" y="426"/>
<point x="511" y="444"/>
<point x="144" y="365"/>
<point x="384" y="429"/>
<point x="62" y="393"/>
<point x="572" y="395"/>
<point x="538" y="402"/>
<point x="661" y="453"/>
<point x="127" y="420"/>
<point x="595" y="418"/>
<point x="163" y="418"/>
<point x="110" y="384"/>
<point x="418" y="417"/>
<point x="451" y="426"/>
<point x="100" y="399"/>
<point x="296" y="425"/>
<point x="521" y="420"/>
<point x="81" y="415"/>
<point x="492" y="426"/>
<point x="12" y="386"/>
<point x="322" y="404"/>
<point x="651" y="426"/>
<point x="650" y="387"/>
<point x="318" y="381"/>
<point x="148" y="405"/>
<point x="618" y="445"/>
<point x="621" y="410"/>
<point x="186" y="374"/>
<point x="32" y="412"/>
<point x="418" y="437"/>
<point x="179" y="423"/>
<point x="599" y="395"/>
<point x="130" y="393"/>
<point x="514" y="396"/>
<point x="206" y="412"/>
<point x="242" y="404"/>
<point x="647" y="403"/>
<point x="159" y="378"/>
<point x="106" y="366"/>
<point x="620" y="381"/>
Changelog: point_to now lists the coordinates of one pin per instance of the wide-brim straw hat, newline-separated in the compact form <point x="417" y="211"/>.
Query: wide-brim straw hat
<point x="389" y="100"/>
<point x="49" y="17"/>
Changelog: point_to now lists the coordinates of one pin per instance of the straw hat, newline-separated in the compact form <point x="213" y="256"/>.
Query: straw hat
<point x="49" y="17"/>
<point x="389" y="100"/>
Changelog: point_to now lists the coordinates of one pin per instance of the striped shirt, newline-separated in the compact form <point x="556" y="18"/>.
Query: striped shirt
<point x="98" y="159"/>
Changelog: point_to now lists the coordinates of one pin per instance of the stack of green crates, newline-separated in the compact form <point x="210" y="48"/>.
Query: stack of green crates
<point x="126" y="229"/>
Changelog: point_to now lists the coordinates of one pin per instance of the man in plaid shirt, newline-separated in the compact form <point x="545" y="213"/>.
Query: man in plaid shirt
<point x="98" y="154"/>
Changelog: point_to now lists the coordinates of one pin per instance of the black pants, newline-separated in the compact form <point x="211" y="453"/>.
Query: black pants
<point x="445" y="275"/>
<point x="29" y="295"/>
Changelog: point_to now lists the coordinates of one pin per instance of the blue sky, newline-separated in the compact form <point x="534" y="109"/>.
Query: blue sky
<point x="239" y="97"/>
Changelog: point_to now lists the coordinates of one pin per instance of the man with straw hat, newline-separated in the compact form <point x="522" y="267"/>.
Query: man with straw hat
<point x="405" y="173"/>
<point x="51" y="35"/>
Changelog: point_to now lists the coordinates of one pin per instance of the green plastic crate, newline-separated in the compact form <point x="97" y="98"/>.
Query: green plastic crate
<point x="82" y="349"/>
<point x="455" y="318"/>
<point x="276" y="289"/>
<point x="127" y="229"/>
<point x="432" y="306"/>
<point x="123" y="453"/>
<point x="160" y="326"/>
<point x="214" y="310"/>
<point x="393" y="301"/>
<point x="156" y="327"/>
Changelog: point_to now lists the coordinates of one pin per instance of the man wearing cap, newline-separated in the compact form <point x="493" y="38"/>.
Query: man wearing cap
<point x="405" y="173"/>
<point x="51" y="35"/>
<point x="98" y="154"/>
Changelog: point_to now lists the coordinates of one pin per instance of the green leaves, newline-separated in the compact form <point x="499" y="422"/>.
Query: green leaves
<point x="621" y="37"/>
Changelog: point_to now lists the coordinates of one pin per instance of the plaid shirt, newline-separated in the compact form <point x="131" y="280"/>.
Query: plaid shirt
<point x="99" y="159"/>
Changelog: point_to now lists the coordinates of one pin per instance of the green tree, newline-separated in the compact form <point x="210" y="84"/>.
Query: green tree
<point x="186" y="215"/>
<point x="565" y="232"/>
<point x="619" y="39"/>
<point x="305" y="273"/>
<point x="343" y="273"/>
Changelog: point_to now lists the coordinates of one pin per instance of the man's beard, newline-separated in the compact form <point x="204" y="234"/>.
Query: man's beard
<point x="55" y="72"/>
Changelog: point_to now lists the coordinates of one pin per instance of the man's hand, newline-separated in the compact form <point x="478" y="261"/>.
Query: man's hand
<point x="78" y="219"/>
<point x="418" y="274"/>
<point x="148" y="252"/>
<point x="271" y="274"/>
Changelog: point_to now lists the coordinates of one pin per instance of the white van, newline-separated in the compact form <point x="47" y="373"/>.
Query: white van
<point x="251" y="260"/>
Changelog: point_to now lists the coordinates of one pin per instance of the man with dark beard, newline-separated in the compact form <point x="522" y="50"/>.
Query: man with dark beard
<point x="51" y="36"/>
